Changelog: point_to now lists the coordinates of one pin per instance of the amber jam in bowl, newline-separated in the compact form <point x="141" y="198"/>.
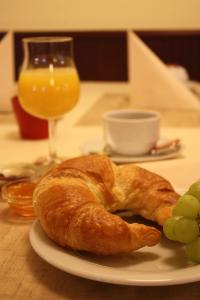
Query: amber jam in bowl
<point x="18" y="195"/>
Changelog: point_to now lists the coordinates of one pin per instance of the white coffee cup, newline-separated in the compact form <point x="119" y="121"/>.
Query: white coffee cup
<point x="131" y="132"/>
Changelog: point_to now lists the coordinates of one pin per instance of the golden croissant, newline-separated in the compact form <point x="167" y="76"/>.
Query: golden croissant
<point x="75" y="202"/>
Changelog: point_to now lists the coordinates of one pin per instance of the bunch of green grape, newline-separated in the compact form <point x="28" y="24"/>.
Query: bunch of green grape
<point x="184" y="225"/>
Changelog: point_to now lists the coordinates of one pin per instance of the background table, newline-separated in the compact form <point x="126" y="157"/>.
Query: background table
<point x="23" y="274"/>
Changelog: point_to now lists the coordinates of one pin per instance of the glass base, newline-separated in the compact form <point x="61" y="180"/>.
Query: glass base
<point x="38" y="168"/>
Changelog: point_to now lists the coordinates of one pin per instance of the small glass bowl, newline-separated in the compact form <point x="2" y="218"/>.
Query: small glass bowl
<point x="18" y="195"/>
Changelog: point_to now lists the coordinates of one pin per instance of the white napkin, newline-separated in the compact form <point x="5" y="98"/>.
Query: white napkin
<point x="152" y="85"/>
<point x="7" y="82"/>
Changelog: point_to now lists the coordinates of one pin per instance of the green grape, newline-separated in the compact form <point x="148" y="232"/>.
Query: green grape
<point x="193" y="250"/>
<point x="187" y="206"/>
<point x="168" y="228"/>
<point x="195" y="189"/>
<point x="186" y="230"/>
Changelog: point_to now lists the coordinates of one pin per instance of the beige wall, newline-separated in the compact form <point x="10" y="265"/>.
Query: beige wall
<point x="99" y="14"/>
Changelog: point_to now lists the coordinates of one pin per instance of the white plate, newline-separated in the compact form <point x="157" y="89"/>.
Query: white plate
<point x="163" y="264"/>
<point x="96" y="145"/>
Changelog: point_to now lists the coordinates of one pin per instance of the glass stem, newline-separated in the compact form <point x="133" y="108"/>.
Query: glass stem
<point x="52" y="128"/>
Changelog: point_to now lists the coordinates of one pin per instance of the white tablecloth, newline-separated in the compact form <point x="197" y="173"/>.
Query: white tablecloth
<point x="181" y="172"/>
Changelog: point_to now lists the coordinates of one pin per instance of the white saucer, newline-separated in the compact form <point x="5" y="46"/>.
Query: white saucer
<point x="96" y="145"/>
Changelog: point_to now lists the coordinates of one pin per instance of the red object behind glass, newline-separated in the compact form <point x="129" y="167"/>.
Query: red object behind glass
<point x="30" y="127"/>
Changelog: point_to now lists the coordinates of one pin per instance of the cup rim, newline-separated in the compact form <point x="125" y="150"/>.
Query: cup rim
<point x="12" y="199"/>
<point x="113" y="115"/>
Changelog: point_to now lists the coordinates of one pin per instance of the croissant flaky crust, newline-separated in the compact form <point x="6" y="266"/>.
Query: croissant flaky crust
<point x="76" y="200"/>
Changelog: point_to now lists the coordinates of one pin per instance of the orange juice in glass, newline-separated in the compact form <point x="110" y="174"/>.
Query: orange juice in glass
<point x="48" y="83"/>
<point x="49" y="92"/>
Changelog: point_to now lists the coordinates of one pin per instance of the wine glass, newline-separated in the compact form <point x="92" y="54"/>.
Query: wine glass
<point x="48" y="88"/>
<point x="48" y="85"/>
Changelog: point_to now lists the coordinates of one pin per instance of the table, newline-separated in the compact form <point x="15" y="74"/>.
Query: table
<point x="23" y="274"/>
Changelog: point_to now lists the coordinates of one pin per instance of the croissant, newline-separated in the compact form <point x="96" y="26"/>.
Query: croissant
<point x="75" y="202"/>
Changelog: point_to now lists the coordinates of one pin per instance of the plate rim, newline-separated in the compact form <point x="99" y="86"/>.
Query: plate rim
<point x="38" y="239"/>
<point x="131" y="159"/>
